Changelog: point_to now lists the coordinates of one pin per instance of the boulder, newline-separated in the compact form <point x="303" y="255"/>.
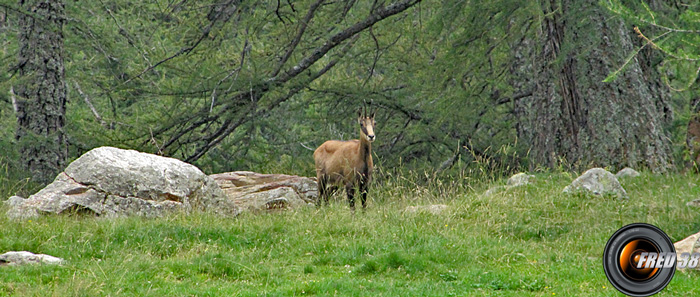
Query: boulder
<point x="108" y="181"/>
<point x="433" y="209"/>
<point x="520" y="179"/>
<point x="14" y="201"/>
<point x="597" y="181"/>
<point x="688" y="244"/>
<point x="256" y="192"/>
<point x="22" y="258"/>
<point x="627" y="172"/>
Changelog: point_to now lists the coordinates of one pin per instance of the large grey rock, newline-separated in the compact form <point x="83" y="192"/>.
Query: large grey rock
<point x="627" y="172"/>
<point x="597" y="181"/>
<point x="108" y="181"/>
<point x="255" y="192"/>
<point x="14" y="201"/>
<point x="23" y="258"/>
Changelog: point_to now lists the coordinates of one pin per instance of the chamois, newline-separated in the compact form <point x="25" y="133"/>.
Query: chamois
<point x="347" y="163"/>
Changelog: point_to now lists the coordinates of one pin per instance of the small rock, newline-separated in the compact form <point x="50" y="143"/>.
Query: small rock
<point x="517" y="180"/>
<point x="520" y="179"/>
<point x="694" y="203"/>
<point x="433" y="209"/>
<point x="627" y="172"/>
<point x="597" y="181"/>
<point x="23" y="258"/>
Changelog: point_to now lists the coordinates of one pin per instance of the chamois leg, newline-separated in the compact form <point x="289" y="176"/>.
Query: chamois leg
<point x="363" y="191"/>
<point x="322" y="190"/>
<point x="350" y="189"/>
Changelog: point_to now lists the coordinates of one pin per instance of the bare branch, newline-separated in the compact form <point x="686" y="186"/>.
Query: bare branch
<point x="348" y="5"/>
<point x="335" y="40"/>
<point x="92" y="107"/>
<point x="219" y="136"/>
<point x="155" y="142"/>
<point x="126" y="34"/>
<point x="277" y="12"/>
<point x="188" y="49"/>
<point x="28" y="12"/>
<point x="377" y="53"/>
<point x="515" y="97"/>
<point x="15" y="108"/>
<point x="247" y="110"/>
<point x="302" y="28"/>
<point x="235" y="71"/>
<point x="291" y="5"/>
<point x="227" y="128"/>
<point x="306" y="147"/>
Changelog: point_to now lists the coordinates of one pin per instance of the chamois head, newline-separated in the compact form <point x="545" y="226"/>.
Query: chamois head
<point x="366" y="124"/>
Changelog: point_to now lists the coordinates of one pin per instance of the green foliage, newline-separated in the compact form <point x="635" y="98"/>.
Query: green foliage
<point x="439" y="75"/>
<point x="150" y="77"/>
<point x="672" y="30"/>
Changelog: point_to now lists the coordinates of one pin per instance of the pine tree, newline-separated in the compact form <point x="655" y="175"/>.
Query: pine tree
<point x="572" y="114"/>
<point x="41" y="92"/>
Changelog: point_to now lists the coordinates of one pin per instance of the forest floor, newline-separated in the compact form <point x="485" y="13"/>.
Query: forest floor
<point x="526" y="241"/>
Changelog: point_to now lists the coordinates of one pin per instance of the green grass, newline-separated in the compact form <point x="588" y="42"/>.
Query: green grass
<point x="527" y="241"/>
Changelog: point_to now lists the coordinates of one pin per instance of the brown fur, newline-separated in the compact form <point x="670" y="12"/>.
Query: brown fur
<point x="346" y="163"/>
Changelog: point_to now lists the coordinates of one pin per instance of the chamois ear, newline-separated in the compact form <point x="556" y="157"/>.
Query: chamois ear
<point x="373" y="113"/>
<point x="359" y="115"/>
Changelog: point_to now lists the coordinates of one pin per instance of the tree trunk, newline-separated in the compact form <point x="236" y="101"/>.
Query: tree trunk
<point x="41" y="89"/>
<point x="692" y="137"/>
<point x="573" y="117"/>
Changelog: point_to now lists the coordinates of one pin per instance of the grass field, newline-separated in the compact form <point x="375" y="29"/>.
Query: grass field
<point x="527" y="241"/>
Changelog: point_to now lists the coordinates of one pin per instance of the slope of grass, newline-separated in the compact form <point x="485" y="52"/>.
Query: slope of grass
<point x="527" y="241"/>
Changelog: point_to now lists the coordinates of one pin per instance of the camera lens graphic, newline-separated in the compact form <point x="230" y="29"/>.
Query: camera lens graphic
<point x="623" y="253"/>
<point x="630" y="256"/>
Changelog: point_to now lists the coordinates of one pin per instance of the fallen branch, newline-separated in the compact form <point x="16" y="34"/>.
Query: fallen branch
<point x="92" y="107"/>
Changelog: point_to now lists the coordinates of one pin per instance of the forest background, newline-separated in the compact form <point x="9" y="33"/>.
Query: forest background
<point x="256" y="85"/>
